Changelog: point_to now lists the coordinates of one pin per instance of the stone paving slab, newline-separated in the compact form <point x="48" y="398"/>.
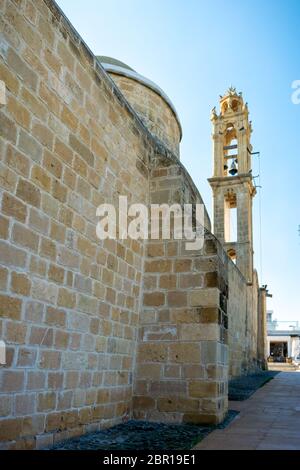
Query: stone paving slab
<point x="269" y="420"/>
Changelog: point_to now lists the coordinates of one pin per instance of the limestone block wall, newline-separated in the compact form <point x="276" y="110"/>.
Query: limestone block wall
<point x="243" y="318"/>
<point x="153" y="110"/>
<point x="181" y="372"/>
<point x="262" y="348"/>
<point x="69" y="304"/>
<point x="96" y="331"/>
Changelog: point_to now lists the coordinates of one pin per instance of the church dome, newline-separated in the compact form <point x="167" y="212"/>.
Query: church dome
<point x="106" y="61"/>
<point x="150" y="102"/>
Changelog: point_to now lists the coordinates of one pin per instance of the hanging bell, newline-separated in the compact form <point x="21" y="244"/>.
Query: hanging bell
<point x="233" y="169"/>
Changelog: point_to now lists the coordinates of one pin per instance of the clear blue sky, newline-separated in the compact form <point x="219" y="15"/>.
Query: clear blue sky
<point x="194" y="49"/>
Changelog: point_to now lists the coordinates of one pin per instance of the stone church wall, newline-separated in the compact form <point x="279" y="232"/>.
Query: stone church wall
<point x="182" y="351"/>
<point x="97" y="332"/>
<point x="69" y="304"/>
<point x="242" y="323"/>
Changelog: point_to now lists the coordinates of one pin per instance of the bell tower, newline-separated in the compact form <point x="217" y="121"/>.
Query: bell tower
<point x="232" y="182"/>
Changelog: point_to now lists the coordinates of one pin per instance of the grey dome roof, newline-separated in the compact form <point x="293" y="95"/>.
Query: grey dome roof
<point x="111" y="61"/>
<point x="116" y="66"/>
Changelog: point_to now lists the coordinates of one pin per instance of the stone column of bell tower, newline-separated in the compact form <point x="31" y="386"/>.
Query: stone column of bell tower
<point x="232" y="182"/>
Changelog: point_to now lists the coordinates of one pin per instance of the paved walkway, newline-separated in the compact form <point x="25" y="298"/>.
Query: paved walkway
<point x="269" y="419"/>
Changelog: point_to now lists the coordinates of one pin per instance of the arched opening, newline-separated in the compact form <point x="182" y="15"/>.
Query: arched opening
<point x="235" y="105"/>
<point x="230" y="217"/>
<point x="230" y="149"/>
<point x="224" y="107"/>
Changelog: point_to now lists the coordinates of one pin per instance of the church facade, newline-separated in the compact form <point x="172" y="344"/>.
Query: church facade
<point x="97" y="332"/>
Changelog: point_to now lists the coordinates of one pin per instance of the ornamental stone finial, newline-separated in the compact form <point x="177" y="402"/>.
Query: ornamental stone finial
<point x="232" y="90"/>
<point x="213" y="114"/>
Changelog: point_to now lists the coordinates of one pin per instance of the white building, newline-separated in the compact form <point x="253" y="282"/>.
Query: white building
<point x="283" y="339"/>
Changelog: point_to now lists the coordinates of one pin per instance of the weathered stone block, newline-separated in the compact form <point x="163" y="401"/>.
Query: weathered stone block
<point x="4" y="226"/>
<point x="22" y="69"/>
<point x="12" y="381"/>
<point x="158" y="266"/>
<point x="204" y="297"/>
<point x="185" y="353"/>
<point x="6" y="405"/>
<point x="19" y="113"/>
<point x="30" y="146"/>
<point x="56" y="274"/>
<point x="66" y="298"/>
<point x="10" y="429"/>
<point x="24" y="404"/>
<point x="8" y="128"/>
<point x="55" y="317"/>
<point x="25" y="237"/>
<point x="177" y="299"/>
<point x="177" y="404"/>
<point x="20" y="284"/>
<point x="48" y="248"/>
<point x="10" y="307"/>
<point x="143" y="402"/>
<point x="168" y="388"/>
<point x="41" y="336"/>
<point x="26" y="357"/>
<point x="52" y="164"/>
<point x="49" y="359"/>
<point x="68" y="258"/>
<point x="17" y="161"/>
<point x="167" y="281"/>
<point x="155" y="250"/>
<point x="81" y="149"/>
<point x="40" y="177"/>
<point x="199" y="332"/>
<point x="43" y="290"/>
<point x="29" y="193"/>
<point x="15" y="332"/>
<point x="154" y="299"/>
<point x="187" y="281"/>
<point x="202" y="389"/>
<point x="152" y="352"/>
<point x="182" y="265"/>
<point x="36" y="380"/>
<point x="55" y="380"/>
<point x="14" y="207"/>
<point x="3" y="278"/>
<point x="150" y="371"/>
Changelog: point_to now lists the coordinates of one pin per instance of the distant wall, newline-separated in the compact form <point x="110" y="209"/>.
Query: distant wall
<point x="243" y="318"/>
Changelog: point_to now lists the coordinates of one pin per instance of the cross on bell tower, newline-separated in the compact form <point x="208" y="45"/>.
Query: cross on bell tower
<point x="232" y="182"/>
